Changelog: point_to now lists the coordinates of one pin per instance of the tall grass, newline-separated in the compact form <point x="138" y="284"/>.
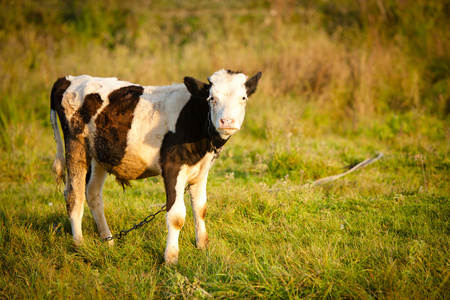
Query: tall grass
<point x="341" y="81"/>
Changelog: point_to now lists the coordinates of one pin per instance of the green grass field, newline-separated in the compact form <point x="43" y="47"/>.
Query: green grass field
<point x="341" y="83"/>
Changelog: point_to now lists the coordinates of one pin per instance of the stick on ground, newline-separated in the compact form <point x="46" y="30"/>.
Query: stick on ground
<point x="328" y="179"/>
<point x="361" y="165"/>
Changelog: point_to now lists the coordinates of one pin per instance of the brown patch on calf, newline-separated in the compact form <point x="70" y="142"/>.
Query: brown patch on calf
<point x="77" y="166"/>
<point x="56" y="96"/>
<point x="70" y="200"/>
<point x="113" y="124"/>
<point x="132" y="167"/>
<point x="177" y="222"/>
<point x="202" y="212"/>
<point x="83" y="115"/>
<point x="91" y="105"/>
<point x="234" y="72"/>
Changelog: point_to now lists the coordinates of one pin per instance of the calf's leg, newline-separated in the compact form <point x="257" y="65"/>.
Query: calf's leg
<point x="174" y="181"/>
<point x="95" y="199"/>
<point x="74" y="192"/>
<point x="198" y="203"/>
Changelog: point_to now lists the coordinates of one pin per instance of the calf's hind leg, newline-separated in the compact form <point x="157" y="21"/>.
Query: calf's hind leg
<point x="95" y="200"/>
<point x="74" y="192"/>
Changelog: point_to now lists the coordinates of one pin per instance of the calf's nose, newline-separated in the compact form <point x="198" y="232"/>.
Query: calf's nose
<point x="227" y="123"/>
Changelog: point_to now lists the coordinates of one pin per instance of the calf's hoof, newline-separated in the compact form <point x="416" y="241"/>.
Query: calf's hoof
<point x="171" y="257"/>
<point x="203" y="243"/>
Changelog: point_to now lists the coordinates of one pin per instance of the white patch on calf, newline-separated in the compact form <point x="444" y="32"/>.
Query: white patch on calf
<point x="196" y="172"/>
<point x="156" y="113"/>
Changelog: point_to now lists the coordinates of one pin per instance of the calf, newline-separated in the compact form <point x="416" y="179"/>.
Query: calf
<point x="134" y="132"/>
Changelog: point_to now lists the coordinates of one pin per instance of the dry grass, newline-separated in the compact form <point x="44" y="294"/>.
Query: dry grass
<point x="314" y="53"/>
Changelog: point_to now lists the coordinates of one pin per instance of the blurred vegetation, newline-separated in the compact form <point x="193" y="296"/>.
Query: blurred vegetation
<point x="353" y="59"/>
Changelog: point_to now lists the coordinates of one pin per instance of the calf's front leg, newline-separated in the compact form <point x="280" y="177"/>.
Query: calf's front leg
<point x="198" y="203"/>
<point x="174" y="181"/>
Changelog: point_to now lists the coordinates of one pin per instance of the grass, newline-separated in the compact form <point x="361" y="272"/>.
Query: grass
<point x="379" y="233"/>
<point x="340" y="84"/>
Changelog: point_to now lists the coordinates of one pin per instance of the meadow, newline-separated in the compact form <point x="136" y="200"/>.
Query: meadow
<point x="341" y="82"/>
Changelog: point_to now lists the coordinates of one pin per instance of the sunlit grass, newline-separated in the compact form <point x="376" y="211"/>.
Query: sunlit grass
<point x="380" y="232"/>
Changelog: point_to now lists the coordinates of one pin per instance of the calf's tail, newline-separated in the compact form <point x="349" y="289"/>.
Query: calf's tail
<point x="59" y="164"/>
<point x="56" y="96"/>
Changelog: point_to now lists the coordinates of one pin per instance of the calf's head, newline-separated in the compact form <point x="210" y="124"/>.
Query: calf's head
<point x="227" y="94"/>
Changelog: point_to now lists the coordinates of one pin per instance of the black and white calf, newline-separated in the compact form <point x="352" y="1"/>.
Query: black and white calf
<point x="134" y="132"/>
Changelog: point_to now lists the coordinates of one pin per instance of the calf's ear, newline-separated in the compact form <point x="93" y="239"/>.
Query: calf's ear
<point x="252" y="83"/>
<point x="196" y="87"/>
